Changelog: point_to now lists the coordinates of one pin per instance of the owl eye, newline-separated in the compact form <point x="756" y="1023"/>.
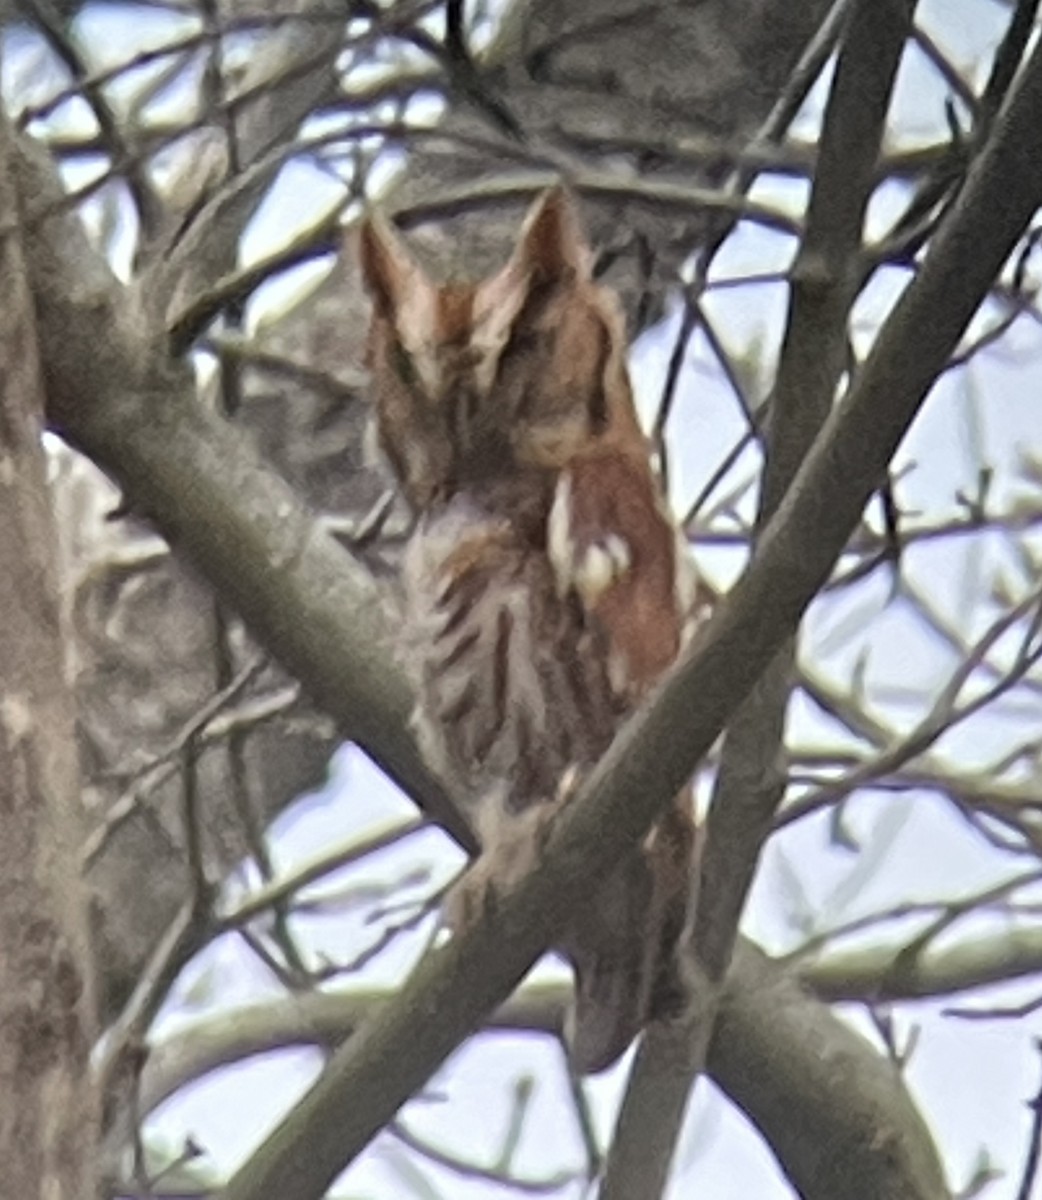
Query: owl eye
<point x="403" y="366"/>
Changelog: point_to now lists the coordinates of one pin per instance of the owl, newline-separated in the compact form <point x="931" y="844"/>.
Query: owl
<point x="546" y="587"/>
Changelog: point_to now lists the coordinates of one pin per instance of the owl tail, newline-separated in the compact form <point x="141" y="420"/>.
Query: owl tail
<point x="615" y="957"/>
<point x="623" y="947"/>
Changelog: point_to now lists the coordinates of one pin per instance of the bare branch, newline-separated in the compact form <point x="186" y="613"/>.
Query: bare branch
<point x="890" y="973"/>
<point x="751" y="785"/>
<point x="92" y="428"/>
<point x="850" y="1098"/>
<point x="944" y="715"/>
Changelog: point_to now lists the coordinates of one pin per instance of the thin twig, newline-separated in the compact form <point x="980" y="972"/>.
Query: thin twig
<point x="469" y="1170"/>
<point x="161" y="766"/>
<point x="943" y="716"/>
<point x="1034" y="1154"/>
<point x="54" y="29"/>
<point x="278" y="891"/>
<point x="187" y="934"/>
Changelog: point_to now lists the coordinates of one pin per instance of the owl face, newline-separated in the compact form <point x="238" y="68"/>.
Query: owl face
<point x="504" y="378"/>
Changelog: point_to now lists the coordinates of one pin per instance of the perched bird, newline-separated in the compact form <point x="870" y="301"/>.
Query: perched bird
<point x="546" y="584"/>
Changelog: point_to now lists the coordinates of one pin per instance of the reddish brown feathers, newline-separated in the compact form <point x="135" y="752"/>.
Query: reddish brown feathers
<point x="545" y="589"/>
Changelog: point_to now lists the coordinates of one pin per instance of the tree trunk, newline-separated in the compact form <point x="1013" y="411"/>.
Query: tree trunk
<point x="47" y="1110"/>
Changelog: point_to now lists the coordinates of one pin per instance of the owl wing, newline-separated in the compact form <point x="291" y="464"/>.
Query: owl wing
<point x="615" y="550"/>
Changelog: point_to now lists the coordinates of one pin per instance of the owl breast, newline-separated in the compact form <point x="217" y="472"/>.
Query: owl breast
<point x="513" y="690"/>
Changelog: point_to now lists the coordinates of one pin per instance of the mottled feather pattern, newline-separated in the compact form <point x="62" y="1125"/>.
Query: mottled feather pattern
<point x="511" y="693"/>
<point x="545" y="583"/>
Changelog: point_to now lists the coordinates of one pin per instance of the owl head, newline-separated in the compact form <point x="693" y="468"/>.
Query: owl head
<point x="476" y="383"/>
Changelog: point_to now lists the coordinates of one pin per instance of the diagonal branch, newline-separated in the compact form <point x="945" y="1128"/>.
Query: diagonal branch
<point x="53" y="25"/>
<point x="751" y="783"/>
<point x="292" y="70"/>
<point x="457" y="985"/>
<point x="115" y="395"/>
<point x="844" y="1099"/>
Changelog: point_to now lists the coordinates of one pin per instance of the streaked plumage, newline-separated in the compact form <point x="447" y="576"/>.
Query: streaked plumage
<point x="545" y="585"/>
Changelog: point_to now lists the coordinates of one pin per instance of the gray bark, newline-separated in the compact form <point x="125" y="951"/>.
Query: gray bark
<point x="48" y="1116"/>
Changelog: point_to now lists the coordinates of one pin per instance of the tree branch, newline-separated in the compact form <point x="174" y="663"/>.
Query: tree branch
<point x="108" y="389"/>
<point x="114" y="394"/>
<point x="113" y="399"/>
<point x="106" y="386"/>
<point x="841" y="1104"/>
<point x="886" y="973"/>
<point x="825" y="280"/>
<point x="831" y="1115"/>
<point x="48" y="1110"/>
<point x="751" y="782"/>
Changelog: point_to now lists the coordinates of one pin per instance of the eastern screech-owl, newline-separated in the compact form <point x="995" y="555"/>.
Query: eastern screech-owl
<point x="545" y="584"/>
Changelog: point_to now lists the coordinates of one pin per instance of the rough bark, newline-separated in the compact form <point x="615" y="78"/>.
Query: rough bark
<point x="48" y="1120"/>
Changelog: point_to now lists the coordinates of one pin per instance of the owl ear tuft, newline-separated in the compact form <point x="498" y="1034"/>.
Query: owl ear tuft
<point x="551" y="256"/>
<point x="389" y="271"/>
<point x="551" y="247"/>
